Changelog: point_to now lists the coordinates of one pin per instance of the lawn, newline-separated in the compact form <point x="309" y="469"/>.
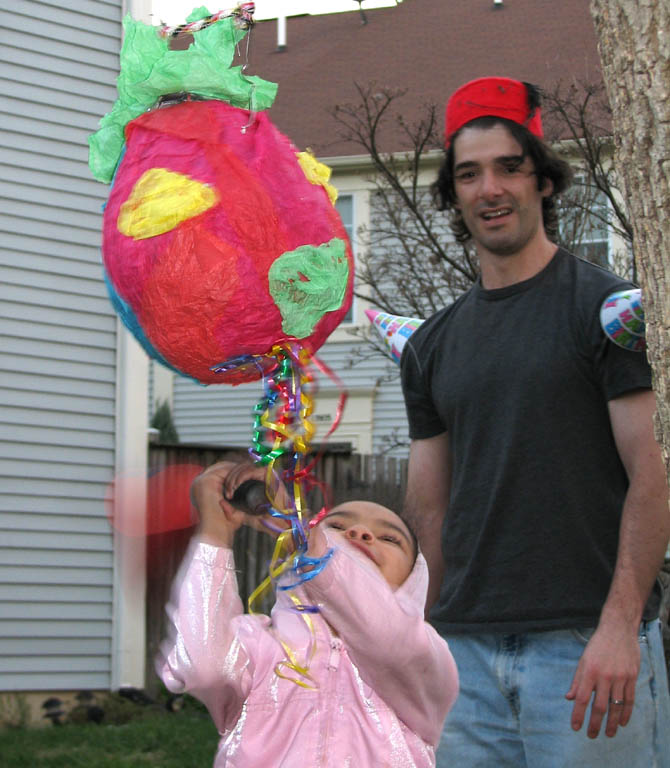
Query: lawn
<point x="157" y="739"/>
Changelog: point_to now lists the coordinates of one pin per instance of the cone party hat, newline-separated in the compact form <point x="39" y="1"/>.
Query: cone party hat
<point x="394" y="329"/>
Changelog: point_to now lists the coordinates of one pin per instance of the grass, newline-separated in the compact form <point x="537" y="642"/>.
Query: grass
<point x="154" y="739"/>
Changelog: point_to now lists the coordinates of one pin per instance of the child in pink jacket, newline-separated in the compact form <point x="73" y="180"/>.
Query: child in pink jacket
<point x="380" y="679"/>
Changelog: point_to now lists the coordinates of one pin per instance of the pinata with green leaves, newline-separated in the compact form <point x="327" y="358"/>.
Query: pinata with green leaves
<point x="221" y="242"/>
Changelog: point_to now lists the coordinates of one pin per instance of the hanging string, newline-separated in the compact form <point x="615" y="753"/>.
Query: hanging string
<point x="243" y="14"/>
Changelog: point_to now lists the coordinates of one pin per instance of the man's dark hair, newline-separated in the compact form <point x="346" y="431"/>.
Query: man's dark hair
<point x="546" y="162"/>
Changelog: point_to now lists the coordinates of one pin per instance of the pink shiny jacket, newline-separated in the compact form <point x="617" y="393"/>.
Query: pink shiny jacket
<point x="383" y="681"/>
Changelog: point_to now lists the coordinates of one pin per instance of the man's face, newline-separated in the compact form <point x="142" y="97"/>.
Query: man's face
<point x="496" y="191"/>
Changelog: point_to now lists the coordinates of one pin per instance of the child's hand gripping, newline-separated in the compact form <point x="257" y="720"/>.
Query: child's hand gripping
<point x="212" y="494"/>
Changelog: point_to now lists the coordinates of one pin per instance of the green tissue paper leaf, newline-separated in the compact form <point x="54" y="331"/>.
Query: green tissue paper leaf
<point x="308" y="282"/>
<point x="149" y="70"/>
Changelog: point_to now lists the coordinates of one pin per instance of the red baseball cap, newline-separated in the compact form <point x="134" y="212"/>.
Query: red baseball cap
<point x="491" y="96"/>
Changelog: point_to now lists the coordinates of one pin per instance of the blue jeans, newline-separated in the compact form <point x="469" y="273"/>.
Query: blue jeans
<point x="512" y="711"/>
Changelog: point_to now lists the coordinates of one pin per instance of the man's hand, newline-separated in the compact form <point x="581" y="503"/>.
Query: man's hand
<point x="607" y="672"/>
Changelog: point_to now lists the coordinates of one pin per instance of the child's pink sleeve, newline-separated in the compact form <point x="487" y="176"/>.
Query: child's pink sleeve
<point x="398" y="654"/>
<point x="207" y="654"/>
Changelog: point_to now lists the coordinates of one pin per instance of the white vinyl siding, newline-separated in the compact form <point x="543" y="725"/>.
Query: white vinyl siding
<point x="58" y="347"/>
<point x="391" y="432"/>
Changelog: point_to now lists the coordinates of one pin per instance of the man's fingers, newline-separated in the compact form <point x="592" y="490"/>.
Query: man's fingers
<point x="617" y="705"/>
<point x="616" y="702"/>
<point x="578" y="712"/>
<point x="581" y="703"/>
<point x="629" y="702"/>
<point x="580" y="693"/>
<point x="599" y="709"/>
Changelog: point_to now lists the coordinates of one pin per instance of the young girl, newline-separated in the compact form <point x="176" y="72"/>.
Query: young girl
<point x="379" y="680"/>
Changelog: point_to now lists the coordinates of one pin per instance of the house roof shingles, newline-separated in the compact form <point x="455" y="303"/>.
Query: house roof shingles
<point x="428" y="47"/>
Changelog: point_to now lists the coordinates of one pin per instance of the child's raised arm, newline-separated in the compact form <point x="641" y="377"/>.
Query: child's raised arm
<point x="211" y="646"/>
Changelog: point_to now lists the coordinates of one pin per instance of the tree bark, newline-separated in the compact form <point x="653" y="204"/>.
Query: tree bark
<point x="634" y="45"/>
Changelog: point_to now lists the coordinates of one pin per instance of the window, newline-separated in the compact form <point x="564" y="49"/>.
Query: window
<point x="345" y="207"/>
<point x="584" y="218"/>
<point x="594" y="245"/>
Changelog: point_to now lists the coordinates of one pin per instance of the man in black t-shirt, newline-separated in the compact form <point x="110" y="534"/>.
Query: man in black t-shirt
<point x="534" y="478"/>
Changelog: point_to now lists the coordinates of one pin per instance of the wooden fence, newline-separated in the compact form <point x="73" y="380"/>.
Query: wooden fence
<point x="348" y="476"/>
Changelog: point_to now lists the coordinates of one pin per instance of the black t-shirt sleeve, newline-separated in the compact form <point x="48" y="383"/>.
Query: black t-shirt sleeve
<point x="423" y="419"/>
<point x="623" y="371"/>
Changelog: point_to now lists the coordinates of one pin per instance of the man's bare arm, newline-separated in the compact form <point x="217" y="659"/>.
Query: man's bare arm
<point x="611" y="661"/>
<point x="428" y="486"/>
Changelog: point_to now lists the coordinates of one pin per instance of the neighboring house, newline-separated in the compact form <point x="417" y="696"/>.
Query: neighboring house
<point x="428" y="48"/>
<point x="65" y="623"/>
<point x="73" y="388"/>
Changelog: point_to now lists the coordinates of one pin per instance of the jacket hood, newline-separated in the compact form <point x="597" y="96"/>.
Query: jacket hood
<point x="411" y="594"/>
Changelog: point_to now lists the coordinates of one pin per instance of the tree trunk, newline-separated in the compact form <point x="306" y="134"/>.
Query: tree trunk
<point x="634" y="44"/>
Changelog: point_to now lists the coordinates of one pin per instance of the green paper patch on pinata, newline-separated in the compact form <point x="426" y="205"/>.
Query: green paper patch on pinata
<point x="149" y="70"/>
<point x="308" y="282"/>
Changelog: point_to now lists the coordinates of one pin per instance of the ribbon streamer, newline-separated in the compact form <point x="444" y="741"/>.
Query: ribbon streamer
<point x="283" y="431"/>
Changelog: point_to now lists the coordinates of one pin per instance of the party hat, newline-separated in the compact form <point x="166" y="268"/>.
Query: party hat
<point x="395" y="330"/>
<point x="622" y="319"/>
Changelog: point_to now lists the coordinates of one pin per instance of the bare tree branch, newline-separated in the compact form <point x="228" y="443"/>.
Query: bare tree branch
<point x="580" y="112"/>
<point x="410" y="264"/>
